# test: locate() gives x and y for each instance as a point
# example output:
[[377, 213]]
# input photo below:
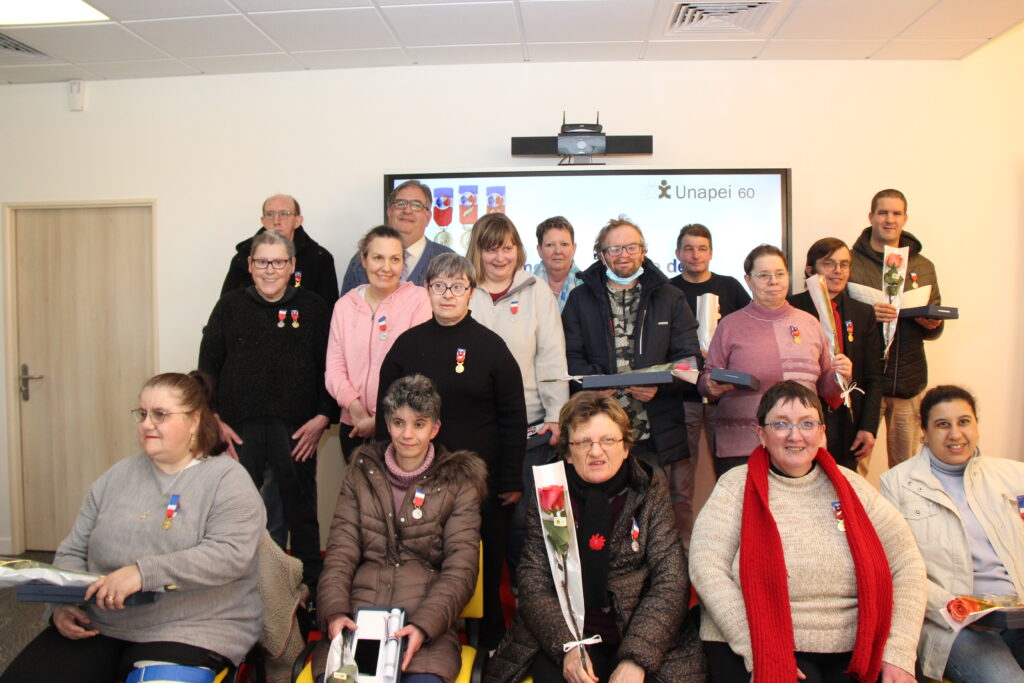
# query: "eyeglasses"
[[156, 416], [833, 266], [617, 249], [768, 277], [783, 427], [456, 288], [584, 445], [276, 264], [280, 214], [403, 204]]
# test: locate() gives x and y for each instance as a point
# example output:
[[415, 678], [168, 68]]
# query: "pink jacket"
[[355, 349]]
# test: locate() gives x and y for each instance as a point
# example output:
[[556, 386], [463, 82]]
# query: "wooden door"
[[84, 304]]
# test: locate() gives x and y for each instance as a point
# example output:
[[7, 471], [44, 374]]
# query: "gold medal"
[[460, 368], [166, 524], [295, 325], [460, 358]]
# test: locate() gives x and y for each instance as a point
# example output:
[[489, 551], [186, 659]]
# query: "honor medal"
[[281, 315], [298, 278], [172, 509], [849, 330], [837, 510], [382, 325], [295, 318], [417, 503], [795, 332], [460, 360], [634, 533]]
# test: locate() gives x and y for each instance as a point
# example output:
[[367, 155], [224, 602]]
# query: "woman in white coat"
[[522, 310], [967, 514]]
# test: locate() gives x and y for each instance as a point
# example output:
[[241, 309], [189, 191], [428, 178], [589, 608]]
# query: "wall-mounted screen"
[[742, 208]]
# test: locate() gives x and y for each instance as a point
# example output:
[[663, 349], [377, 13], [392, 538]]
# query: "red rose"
[[552, 498], [596, 542], [894, 260], [959, 608]]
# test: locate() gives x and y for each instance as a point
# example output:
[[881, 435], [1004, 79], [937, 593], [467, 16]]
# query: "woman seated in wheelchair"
[[406, 533], [174, 520]]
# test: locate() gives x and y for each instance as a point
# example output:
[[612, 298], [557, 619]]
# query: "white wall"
[[210, 148]]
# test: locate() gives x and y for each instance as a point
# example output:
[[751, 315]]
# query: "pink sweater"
[[355, 349], [761, 341]]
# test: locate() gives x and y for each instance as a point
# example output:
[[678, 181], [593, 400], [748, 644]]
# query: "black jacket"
[[665, 331], [314, 268], [649, 588], [905, 375], [865, 352]]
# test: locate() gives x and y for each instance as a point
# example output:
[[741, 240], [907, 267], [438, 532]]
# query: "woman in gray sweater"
[[172, 520]]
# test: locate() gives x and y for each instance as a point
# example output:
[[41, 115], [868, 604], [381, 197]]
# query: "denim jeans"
[[987, 657]]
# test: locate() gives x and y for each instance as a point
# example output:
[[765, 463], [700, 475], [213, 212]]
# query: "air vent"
[[14, 51], [729, 18]]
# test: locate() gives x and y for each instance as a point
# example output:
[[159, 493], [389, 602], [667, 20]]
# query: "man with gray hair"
[[625, 316], [409, 207], [314, 265]]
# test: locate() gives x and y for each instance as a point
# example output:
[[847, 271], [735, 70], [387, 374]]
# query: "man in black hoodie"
[[905, 374], [314, 265], [625, 316]]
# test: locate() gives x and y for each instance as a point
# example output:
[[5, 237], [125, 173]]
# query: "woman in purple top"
[[772, 341]]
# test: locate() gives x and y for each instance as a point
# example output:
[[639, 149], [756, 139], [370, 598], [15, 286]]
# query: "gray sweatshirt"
[[204, 565]]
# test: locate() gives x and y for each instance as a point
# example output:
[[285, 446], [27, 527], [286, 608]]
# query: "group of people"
[[438, 368]]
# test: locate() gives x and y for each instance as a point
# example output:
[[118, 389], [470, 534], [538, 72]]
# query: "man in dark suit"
[[409, 207], [850, 431]]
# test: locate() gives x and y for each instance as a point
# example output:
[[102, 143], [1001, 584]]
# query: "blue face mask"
[[623, 280]]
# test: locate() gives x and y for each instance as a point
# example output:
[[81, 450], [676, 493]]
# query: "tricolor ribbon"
[[418, 498], [634, 532], [382, 323], [172, 506], [460, 355]]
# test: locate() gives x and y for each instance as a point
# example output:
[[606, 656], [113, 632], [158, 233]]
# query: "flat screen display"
[[742, 208]]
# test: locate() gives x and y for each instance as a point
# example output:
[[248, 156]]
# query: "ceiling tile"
[[348, 59], [107, 42], [718, 49], [385, 3], [584, 52], [565, 21], [326, 29], [467, 54], [462, 24], [204, 37], [928, 49], [820, 49], [967, 19], [156, 68], [234, 64], [851, 19], [121, 10], [292, 5], [41, 73]]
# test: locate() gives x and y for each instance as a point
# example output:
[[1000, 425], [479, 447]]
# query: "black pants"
[[604, 658], [349, 444], [98, 659], [820, 667], [840, 433], [494, 521], [267, 442], [723, 465]]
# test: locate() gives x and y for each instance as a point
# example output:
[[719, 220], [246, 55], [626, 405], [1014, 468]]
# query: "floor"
[[19, 621]]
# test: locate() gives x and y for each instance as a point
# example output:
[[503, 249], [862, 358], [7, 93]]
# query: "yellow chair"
[[472, 669]]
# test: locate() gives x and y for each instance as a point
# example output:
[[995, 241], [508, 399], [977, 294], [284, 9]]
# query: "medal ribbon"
[[172, 506], [298, 278], [460, 355], [1020, 506], [418, 498], [634, 532], [295, 316], [282, 314], [382, 323]]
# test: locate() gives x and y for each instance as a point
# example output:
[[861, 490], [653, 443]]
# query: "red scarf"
[[766, 592]]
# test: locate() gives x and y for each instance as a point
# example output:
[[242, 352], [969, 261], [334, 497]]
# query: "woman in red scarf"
[[803, 570]]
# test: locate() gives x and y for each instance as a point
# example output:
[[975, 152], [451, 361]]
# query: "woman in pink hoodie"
[[366, 322]]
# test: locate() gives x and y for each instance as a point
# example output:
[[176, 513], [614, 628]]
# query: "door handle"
[[24, 380]]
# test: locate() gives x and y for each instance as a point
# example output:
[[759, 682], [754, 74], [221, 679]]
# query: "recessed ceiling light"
[[19, 12]]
